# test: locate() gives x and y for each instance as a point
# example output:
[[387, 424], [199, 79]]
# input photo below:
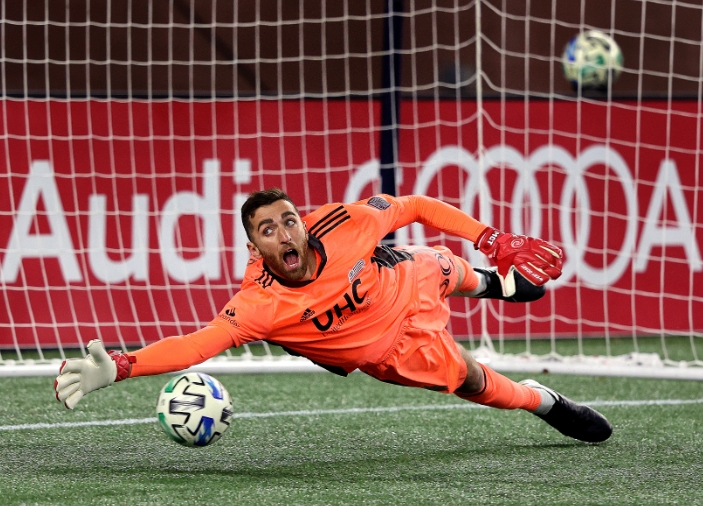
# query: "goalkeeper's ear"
[[253, 250]]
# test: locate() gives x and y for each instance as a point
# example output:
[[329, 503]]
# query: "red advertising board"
[[118, 219]]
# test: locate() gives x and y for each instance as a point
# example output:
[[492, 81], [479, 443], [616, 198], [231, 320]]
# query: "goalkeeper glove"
[[80, 376], [537, 260]]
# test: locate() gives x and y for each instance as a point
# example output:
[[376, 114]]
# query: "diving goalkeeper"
[[322, 286]]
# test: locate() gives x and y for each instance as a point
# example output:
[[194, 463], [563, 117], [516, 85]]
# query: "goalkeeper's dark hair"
[[259, 199]]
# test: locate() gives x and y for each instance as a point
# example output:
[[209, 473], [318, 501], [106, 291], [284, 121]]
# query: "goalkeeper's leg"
[[485, 386], [484, 283]]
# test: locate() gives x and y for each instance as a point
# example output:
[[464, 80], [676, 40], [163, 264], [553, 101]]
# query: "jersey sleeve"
[[180, 352], [247, 317], [392, 213], [236, 324]]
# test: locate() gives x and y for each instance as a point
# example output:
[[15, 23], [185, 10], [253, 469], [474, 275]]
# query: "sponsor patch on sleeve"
[[379, 203]]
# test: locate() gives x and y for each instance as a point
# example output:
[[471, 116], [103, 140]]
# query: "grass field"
[[320, 439]]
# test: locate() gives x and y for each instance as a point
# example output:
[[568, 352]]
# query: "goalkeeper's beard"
[[275, 262]]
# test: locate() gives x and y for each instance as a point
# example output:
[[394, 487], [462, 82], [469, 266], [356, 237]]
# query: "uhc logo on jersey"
[[342, 310], [379, 203]]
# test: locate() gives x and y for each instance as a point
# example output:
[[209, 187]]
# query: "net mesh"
[[132, 132]]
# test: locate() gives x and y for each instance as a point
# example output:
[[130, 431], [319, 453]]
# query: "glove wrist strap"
[[486, 240], [123, 363]]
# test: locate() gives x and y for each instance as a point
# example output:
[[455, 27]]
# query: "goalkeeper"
[[321, 286]]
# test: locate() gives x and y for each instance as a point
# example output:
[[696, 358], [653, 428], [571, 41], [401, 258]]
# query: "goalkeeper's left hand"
[[80, 376], [538, 261]]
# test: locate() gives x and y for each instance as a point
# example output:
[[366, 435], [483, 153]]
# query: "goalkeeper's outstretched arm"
[[99, 369], [537, 260]]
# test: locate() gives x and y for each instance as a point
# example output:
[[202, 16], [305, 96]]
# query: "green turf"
[[410, 456]]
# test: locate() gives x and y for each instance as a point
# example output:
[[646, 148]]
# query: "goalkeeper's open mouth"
[[291, 259]]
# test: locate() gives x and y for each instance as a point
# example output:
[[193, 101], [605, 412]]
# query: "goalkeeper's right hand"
[[80, 376], [537, 260]]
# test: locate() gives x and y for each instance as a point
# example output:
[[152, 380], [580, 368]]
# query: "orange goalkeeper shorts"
[[425, 355]]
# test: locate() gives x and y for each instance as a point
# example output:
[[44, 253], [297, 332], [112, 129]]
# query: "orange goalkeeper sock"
[[503, 393]]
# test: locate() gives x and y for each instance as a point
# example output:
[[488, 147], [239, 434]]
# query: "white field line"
[[348, 411]]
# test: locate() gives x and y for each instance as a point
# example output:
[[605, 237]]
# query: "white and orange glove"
[[80, 376], [537, 260]]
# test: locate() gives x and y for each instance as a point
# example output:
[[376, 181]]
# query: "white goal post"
[[131, 133]]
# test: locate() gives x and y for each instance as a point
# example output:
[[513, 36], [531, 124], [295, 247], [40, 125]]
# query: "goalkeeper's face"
[[280, 238]]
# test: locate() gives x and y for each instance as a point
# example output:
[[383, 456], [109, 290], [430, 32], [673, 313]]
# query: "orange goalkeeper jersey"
[[348, 315]]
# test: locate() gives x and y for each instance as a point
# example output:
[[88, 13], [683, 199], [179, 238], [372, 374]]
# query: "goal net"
[[131, 132]]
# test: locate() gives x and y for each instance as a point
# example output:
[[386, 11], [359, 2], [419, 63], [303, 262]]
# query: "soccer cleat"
[[524, 290], [573, 420]]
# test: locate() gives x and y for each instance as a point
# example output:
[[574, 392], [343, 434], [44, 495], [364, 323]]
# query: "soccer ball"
[[194, 409], [591, 60]]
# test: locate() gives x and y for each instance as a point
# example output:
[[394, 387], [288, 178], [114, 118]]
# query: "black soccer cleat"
[[524, 290], [574, 420]]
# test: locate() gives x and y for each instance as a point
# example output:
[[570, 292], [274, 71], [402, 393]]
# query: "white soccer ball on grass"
[[194, 409]]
